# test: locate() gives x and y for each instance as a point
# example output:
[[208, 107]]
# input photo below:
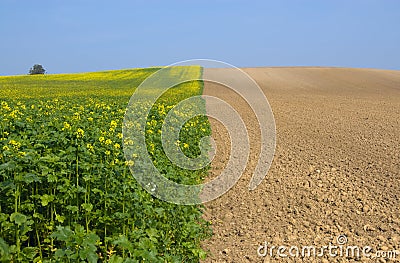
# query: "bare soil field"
[[336, 169]]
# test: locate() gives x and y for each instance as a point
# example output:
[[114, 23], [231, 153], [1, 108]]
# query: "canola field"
[[66, 191]]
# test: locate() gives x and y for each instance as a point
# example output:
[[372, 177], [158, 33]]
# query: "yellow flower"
[[5, 148], [15, 144], [108, 142], [117, 146], [107, 152], [152, 147], [67, 126], [90, 147], [119, 136], [113, 124], [185, 145], [128, 141], [90, 119], [129, 163], [79, 133], [76, 116], [101, 139], [13, 114], [5, 106]]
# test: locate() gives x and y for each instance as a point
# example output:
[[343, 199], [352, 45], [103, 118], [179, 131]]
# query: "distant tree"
[[37, 69]]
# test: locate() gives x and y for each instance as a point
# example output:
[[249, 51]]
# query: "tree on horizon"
[[36, 70]]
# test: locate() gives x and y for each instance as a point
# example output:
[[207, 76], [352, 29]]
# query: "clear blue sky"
[[89, 35]]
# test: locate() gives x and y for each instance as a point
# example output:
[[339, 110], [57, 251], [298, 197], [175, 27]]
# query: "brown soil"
[[336, 168]]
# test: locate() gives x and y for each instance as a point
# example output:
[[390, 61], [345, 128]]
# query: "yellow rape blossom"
[[113, 124], [128, 141], [90, 147], [5, 106], [129, 163], [15, 144], [79, 133], [67, 126]]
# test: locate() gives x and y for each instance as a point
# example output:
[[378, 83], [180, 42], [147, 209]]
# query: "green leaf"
[[52, 177], [50, 158], [159, 211], [87, 207], [38, 146], [92, 257], [116, 259], [7, 184], [18, 218], [91, 239], [60, 253], [4, 250], [152, 233], [73, 208], [60, 218], [62, 233], [30, 178], [8, 166], [46, 199], [30, 252], [124, 243]]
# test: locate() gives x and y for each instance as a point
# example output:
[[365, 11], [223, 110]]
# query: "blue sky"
[[89, 35]]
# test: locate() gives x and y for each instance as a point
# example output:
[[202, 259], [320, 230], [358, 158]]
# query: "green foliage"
[[66, 191], [36, 70], [77, 244]]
